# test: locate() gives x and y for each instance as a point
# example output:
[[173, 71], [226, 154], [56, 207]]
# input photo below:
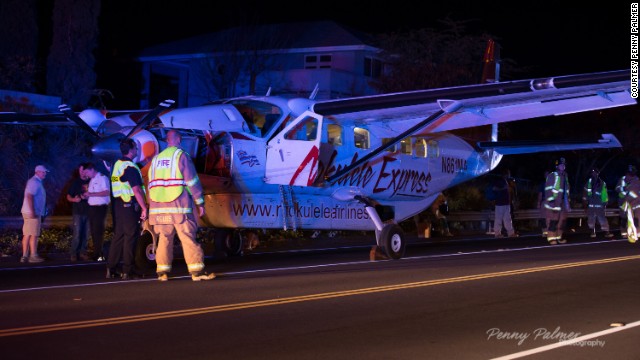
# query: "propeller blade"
[[66, 110], [150, 116]]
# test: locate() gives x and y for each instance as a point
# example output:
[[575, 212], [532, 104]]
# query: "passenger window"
[[433, 149], [392, 148], [334, 134], [420, 147], [405, 146], [361, 138]]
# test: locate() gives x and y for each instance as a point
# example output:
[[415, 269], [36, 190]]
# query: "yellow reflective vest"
[[166, 181], [119, 188]]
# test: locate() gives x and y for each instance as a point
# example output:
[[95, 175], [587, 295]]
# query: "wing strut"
[[395, 140]]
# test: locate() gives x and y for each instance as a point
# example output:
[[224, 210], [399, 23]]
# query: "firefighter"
[[595, 198], [556, 202], [174, 188], [628, 189]]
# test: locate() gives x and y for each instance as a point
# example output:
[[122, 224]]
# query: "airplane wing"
[[16, 118], [527, 147], [483, 104], [399, 115]]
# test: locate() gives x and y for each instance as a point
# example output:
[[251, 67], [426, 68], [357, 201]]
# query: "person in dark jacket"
[[503, 201], [595, 198]]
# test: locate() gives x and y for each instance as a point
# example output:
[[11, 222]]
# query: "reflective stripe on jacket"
[[596, 197], [119, 188], [556, 191], [166, 181]]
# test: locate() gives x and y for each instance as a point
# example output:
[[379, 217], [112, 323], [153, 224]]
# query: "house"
[[289, 59]]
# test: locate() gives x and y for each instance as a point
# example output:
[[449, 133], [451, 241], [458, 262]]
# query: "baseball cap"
[[41, 168]]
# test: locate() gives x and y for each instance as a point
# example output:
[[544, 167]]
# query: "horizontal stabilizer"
[[536, 146]]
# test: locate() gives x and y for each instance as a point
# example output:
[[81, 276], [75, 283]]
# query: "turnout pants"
[[557, 223], [186, 231], [597, 213]]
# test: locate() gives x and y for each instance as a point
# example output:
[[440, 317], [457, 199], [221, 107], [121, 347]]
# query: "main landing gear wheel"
[[393, 241], [229, 241], [145, 258]]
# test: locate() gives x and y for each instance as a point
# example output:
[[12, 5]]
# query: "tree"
[[238, 57], [70, 65], [429, 58], [19, 46], [61, 149]]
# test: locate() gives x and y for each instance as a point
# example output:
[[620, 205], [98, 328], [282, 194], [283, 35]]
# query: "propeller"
[[107, 148], [150, 116], [65, 109]]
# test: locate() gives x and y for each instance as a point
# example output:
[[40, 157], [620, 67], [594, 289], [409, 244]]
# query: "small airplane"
[[362, 163]]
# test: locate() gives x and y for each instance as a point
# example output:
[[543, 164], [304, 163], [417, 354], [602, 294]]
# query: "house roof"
[[296, 35]]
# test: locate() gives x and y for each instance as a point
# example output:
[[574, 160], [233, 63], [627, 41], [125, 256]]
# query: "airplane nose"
[[108, 148]]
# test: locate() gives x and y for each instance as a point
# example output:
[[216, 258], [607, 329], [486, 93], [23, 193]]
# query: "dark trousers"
[[125, 236], [97, 218], [81, 234]]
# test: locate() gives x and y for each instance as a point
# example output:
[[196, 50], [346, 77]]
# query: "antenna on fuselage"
[[314, 92], [268, 91]]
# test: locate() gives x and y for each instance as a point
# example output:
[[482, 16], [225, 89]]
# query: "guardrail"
[[15, 222], [525, 214]]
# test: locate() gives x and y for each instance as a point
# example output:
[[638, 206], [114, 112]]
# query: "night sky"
[[552, 37]]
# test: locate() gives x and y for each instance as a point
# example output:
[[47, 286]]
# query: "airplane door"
[[292, 155]]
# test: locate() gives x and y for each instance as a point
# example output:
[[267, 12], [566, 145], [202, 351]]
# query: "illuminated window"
[[361, 138], [420, 147], [405, 146], [334, 134], [393, 148]]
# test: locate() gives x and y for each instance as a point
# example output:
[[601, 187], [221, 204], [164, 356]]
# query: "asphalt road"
[[459, 299]]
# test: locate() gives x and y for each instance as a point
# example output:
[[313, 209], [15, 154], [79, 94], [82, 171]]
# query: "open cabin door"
[[292, 154]]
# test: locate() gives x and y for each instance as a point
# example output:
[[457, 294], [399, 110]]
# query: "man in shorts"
[[33, 209]]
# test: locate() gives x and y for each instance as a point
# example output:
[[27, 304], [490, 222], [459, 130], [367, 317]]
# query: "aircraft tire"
[[234, 243], [229, 242], [145, 258], [393, 241]]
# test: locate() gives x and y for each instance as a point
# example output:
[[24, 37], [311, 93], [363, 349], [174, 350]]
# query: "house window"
[[372, 67], [317, 61]]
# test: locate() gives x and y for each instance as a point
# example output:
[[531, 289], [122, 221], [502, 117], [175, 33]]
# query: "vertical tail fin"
[[491, 73], [491, 63]]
